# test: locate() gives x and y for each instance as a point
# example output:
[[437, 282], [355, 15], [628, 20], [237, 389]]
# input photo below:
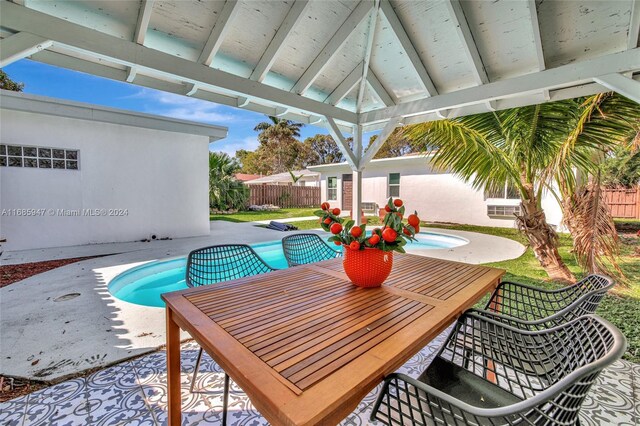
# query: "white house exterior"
[[307, 178], [74, 173], [438, 196]]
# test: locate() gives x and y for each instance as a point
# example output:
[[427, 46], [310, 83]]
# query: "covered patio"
[[353, 67]]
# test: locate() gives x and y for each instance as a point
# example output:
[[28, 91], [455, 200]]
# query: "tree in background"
[[279, 147], [225, 191], [7, 84], [396, 145], [322, 149], [253, 162], [621, 168]]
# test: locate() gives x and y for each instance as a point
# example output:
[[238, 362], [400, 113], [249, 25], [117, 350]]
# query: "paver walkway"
[[135, 393]]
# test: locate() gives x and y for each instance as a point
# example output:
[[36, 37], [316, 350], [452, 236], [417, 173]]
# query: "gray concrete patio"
[[135, 393], [46, 338]]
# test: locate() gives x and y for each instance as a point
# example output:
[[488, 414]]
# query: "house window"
[[507, 192], [38, 157], [394, 184], [332, 188], [503, 211]]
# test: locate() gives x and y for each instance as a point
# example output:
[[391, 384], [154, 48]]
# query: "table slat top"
[[319, 336]]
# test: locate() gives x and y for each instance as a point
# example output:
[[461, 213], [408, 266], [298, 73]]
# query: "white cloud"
[[230, 146], [185, 108]]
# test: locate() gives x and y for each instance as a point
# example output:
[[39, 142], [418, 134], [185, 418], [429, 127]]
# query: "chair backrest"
[[300, 249], [209, 265], [556, 307], [551, 369]]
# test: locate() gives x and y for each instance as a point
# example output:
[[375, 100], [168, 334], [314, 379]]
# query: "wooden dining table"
[[305, 344]]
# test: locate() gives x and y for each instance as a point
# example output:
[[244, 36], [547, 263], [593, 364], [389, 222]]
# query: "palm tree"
[[607, 122], [278, 137], [225, 191], [512, 147]]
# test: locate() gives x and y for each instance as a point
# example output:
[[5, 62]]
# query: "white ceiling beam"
[[408, 47], [295, 15], [65, 61], [444, 113], [346, 86], [555, 78], [379, 90], [219, 30], [572, 92], [537, 40], [333, 47], [621, 84], [380, 140], [123, 52], [144, 16], [191, 89], [21, 45], [373, 20], [243, 102], [342, 143], [281, 112], [634, 25], [468, 43]]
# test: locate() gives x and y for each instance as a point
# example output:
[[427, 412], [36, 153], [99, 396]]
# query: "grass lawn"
[[621, 306], [251, 216]]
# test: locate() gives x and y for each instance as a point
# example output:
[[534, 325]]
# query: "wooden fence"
[[286, 196], [623, 202]]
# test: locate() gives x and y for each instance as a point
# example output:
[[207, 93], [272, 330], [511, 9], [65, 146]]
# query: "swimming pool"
[[144, 284]]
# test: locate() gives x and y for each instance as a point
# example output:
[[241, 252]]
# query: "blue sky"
[[47, 80]]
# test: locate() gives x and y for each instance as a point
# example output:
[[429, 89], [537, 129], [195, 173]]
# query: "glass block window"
[[394, 184], [504, 211], [38, 157], [332, 188]]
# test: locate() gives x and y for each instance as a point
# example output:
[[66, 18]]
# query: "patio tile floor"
[[135, 393]]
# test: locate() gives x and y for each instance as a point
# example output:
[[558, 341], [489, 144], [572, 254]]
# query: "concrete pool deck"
[[65, 321]]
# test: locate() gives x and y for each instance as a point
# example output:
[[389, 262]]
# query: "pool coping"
[[46, 340]]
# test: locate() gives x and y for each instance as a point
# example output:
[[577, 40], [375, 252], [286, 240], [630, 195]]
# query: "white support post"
[[19, 46], [621, 84], [342, 144], [356, 204]]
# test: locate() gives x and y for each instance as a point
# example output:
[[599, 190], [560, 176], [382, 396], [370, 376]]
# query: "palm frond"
[[468, 146], [595, 239]]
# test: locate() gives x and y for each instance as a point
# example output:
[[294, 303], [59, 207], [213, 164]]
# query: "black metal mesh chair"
[[300, 249], [533, 308], [215, 264], [210, 265], [489, 373]]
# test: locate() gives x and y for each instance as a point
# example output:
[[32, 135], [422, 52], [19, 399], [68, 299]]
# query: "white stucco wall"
[[437, 196], [159, 177]]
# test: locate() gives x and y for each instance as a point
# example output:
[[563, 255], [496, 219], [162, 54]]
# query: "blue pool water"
[[144, 284]]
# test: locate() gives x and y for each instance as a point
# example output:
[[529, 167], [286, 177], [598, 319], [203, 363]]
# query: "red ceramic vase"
[[367, 268]]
